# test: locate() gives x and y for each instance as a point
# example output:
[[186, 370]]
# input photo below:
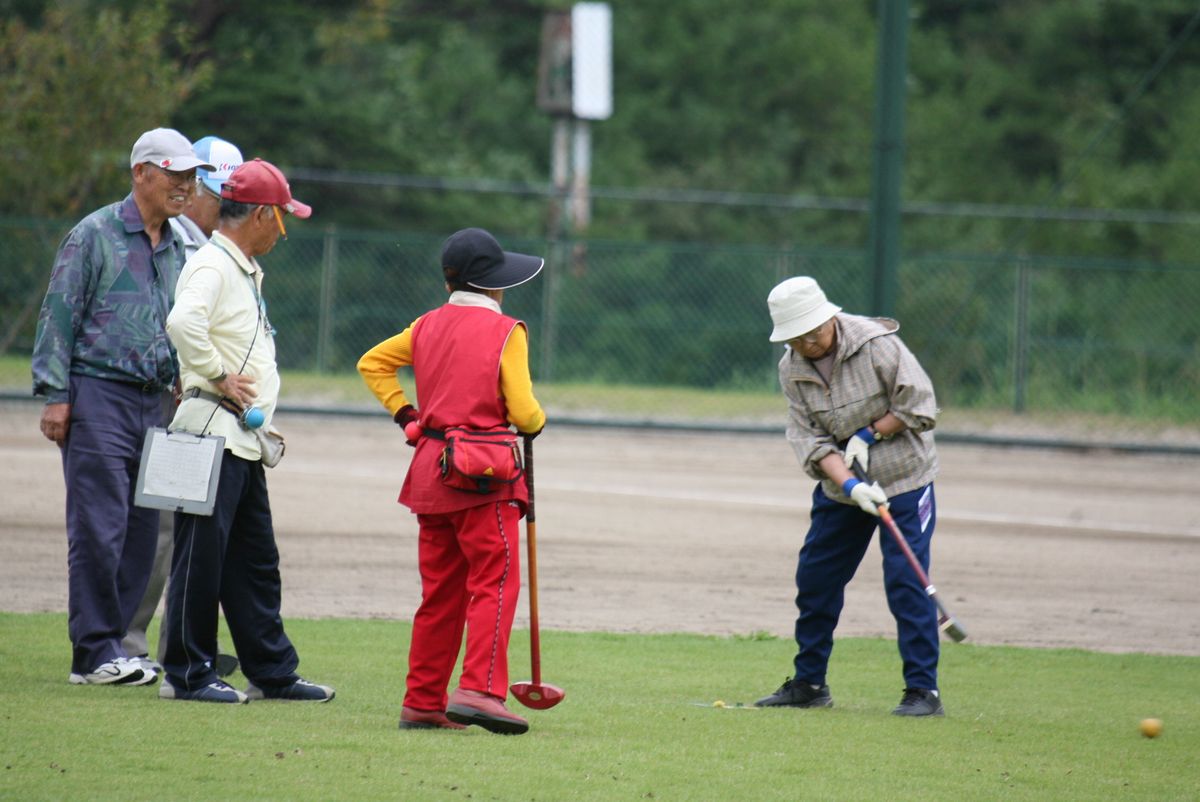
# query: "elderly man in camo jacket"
[[102, 360]]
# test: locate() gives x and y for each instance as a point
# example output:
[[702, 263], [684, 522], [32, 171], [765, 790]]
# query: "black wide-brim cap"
[[482, 263]]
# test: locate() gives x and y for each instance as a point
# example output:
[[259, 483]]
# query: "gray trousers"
[[135, 642]]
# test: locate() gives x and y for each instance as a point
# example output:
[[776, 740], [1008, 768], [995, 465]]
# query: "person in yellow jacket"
[[471, 367]]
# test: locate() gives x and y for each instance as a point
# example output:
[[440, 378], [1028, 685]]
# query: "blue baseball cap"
[[223, 156]]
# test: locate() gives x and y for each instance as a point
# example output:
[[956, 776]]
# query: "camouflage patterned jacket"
[[105, 310]]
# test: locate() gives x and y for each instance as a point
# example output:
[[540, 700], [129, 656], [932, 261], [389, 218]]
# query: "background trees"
[[1022, 102]]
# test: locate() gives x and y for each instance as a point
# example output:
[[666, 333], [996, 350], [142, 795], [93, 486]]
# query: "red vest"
[[456, 364]]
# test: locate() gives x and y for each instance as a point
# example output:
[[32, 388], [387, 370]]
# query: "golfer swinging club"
[[857, 394], [471, 367]]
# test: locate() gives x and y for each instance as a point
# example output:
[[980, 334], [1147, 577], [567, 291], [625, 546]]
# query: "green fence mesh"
[[677, 333]]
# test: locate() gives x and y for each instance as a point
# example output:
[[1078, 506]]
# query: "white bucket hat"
[[797, 307]]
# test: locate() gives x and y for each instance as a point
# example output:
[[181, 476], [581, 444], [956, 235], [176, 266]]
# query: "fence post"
[[328, 289], [556, 261], [1021, 334]]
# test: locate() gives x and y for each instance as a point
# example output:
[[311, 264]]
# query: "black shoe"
[[225, 664], [920, 702], [301, 690], [797, 694]]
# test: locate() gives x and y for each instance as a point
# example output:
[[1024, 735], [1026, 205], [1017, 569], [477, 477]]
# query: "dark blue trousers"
[[110, 542], [230, 560], [836, 542]]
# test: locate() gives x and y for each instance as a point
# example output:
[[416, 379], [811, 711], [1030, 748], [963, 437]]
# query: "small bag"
[[272, 446], [480, 461]]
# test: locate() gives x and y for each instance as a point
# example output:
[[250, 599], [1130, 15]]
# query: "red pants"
[[470, 576]]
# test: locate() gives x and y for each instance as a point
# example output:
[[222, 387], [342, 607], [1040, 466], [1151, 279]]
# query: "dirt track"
[[658, 532]]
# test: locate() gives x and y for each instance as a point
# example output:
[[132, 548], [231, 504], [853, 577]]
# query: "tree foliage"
[[79, 82], [1022, 102]]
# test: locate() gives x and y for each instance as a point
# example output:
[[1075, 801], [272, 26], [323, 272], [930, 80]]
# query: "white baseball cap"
[[798, 306], [224, 158], [166, 148]]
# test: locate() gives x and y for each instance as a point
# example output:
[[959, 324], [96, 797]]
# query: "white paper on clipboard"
[[179, 471]]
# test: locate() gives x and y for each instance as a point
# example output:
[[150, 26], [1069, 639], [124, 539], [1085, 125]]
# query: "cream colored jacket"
[[219, 325]]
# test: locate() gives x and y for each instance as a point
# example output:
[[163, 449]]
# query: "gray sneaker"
[[797, 694], [213, 692], [920, 702], [118, 671], [299, 691]]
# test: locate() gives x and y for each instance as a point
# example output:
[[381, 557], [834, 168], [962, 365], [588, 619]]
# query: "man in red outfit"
[[471, 367]]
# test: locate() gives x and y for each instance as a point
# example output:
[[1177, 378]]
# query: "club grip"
[[529, 513]]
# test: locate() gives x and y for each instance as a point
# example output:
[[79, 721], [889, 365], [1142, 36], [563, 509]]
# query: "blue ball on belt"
[[252, 418]]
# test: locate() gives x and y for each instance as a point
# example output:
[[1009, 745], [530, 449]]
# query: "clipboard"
[[179, 471]]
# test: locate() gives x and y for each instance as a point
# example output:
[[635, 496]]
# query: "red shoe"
[[484, 710], [411, 719]]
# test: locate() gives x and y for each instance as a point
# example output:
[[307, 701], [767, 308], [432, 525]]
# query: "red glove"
[[404, 416]]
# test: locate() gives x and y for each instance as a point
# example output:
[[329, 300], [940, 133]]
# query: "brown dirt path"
[[654, 532]]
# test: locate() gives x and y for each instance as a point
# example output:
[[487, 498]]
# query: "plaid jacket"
[[873, 372]]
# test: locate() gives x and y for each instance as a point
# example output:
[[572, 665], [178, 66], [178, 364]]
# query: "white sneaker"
[[118, 671], [146, 664]]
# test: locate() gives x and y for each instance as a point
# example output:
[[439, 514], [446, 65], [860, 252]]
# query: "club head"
[[537, 695], [954, 630]]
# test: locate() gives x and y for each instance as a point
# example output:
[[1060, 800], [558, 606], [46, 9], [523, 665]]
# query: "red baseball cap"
[[258, 181]]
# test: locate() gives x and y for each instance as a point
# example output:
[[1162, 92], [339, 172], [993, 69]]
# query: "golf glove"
[[868, 496], [858, 448], [404, 416]]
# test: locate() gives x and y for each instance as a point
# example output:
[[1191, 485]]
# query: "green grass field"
[[1021, 725]]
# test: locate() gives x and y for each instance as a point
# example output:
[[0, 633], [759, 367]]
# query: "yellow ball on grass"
[[1151, 727]]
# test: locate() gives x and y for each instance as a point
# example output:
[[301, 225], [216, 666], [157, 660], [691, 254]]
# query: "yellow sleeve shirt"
[[378, 369]]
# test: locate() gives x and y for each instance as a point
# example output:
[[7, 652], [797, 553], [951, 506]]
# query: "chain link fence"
[[1021, 349]]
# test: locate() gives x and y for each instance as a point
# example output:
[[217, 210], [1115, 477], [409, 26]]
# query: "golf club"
[[946, 622], [534, 693]]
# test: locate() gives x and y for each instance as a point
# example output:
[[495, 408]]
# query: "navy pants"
[[228, 559], [110, 542], [836, 542]]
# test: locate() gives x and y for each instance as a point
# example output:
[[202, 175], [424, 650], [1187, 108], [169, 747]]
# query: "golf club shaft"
[[535, 647], [886, 516], [946, 622]]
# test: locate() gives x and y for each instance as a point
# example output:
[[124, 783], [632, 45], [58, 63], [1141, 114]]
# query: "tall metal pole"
[[325, 314], [888, 157], [560, 174]]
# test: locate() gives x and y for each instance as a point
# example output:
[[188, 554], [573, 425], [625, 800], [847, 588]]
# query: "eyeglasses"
[[176, 177], [815, 335], [205, 188]]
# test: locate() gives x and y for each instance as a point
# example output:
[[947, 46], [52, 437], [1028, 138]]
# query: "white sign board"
[[591, 61]]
